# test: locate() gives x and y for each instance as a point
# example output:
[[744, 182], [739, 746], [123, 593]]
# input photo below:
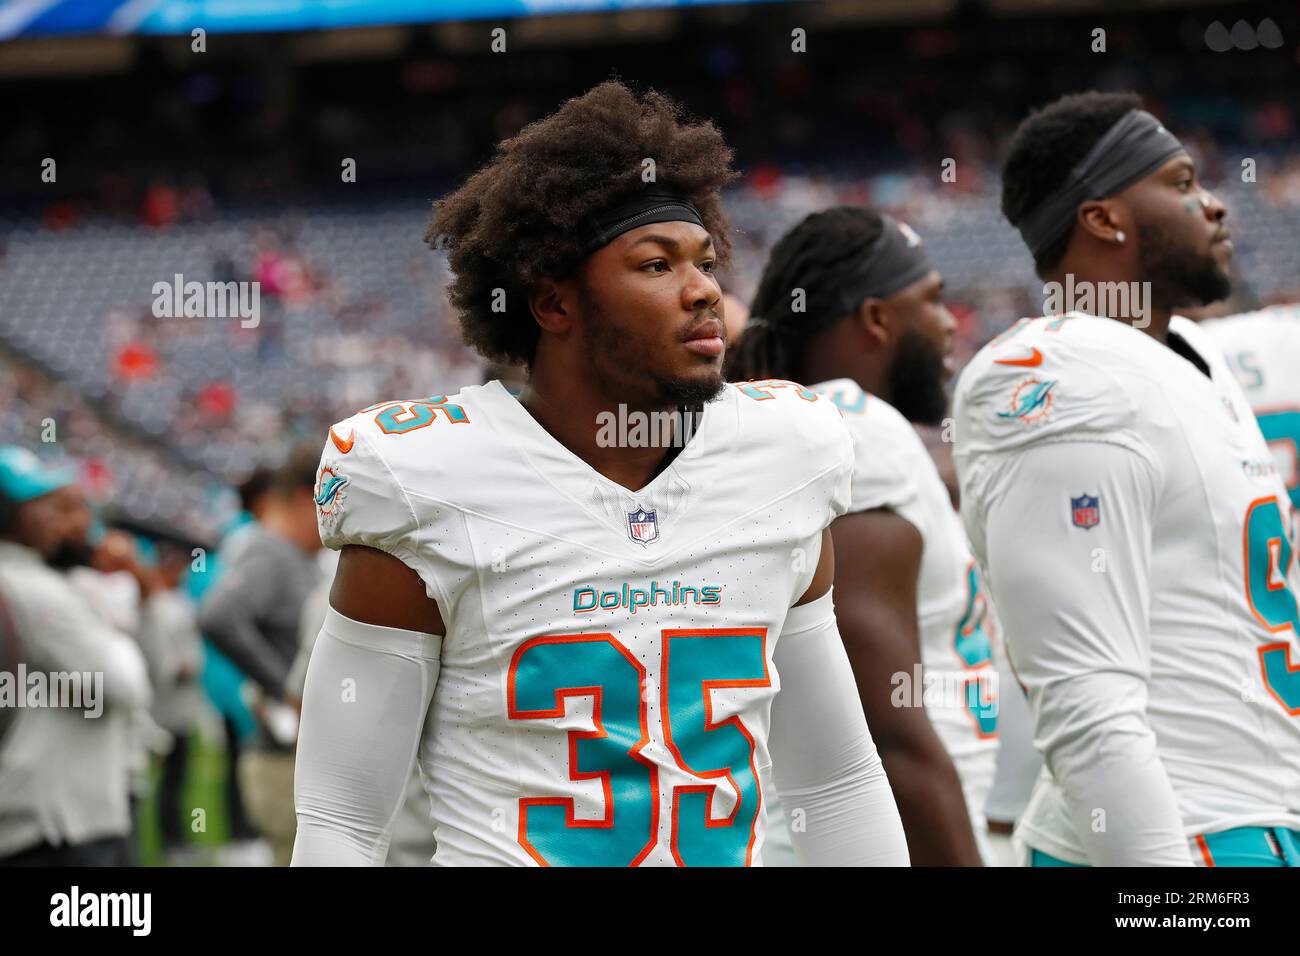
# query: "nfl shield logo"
[[643, 526], [1086, 511]]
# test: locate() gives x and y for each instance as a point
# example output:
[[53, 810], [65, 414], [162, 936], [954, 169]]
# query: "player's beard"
[[1179, 277], [916, 380], [618, 362]]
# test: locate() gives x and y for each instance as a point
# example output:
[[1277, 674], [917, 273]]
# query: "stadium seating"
[[363, 314]]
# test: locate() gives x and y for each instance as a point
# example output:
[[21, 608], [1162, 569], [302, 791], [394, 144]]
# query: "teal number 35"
[[546, 671]]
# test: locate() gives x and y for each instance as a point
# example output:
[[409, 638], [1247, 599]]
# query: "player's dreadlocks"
[[818, 256], [1047, 145], [518, 219]]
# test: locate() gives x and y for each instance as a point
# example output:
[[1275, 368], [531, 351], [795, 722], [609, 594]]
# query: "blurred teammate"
[[1263, 349], [582, 629], [1130, 518], [848, 298]]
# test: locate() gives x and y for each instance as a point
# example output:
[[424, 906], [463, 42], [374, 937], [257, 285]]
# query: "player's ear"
[[553, 304], [874, 319], [1104, 219]]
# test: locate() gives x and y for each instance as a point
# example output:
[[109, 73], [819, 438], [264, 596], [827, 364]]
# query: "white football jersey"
[[893, 470], [1263, 349], [1212, 631], [606, 677]]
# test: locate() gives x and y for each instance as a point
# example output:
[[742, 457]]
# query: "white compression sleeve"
[[824, 761], [363, 710]]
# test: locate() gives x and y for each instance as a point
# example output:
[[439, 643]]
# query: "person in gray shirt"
[[252, 615]]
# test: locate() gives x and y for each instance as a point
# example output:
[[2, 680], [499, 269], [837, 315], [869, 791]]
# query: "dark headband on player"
[[895, 260], [661, 205], [1134, 147]]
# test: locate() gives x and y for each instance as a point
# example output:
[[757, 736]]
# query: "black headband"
[[896, 260], [661, 205], [1134, 147]]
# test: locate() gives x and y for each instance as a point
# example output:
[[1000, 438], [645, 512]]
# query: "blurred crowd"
[[167, 415], [118, 468]]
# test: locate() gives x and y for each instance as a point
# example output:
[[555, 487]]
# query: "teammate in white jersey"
[[599, 613], [1263, 349], [1128, 514], [868, 322]]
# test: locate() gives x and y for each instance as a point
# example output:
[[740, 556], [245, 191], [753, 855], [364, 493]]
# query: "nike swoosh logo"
[[340, 444], [1033, 361]]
